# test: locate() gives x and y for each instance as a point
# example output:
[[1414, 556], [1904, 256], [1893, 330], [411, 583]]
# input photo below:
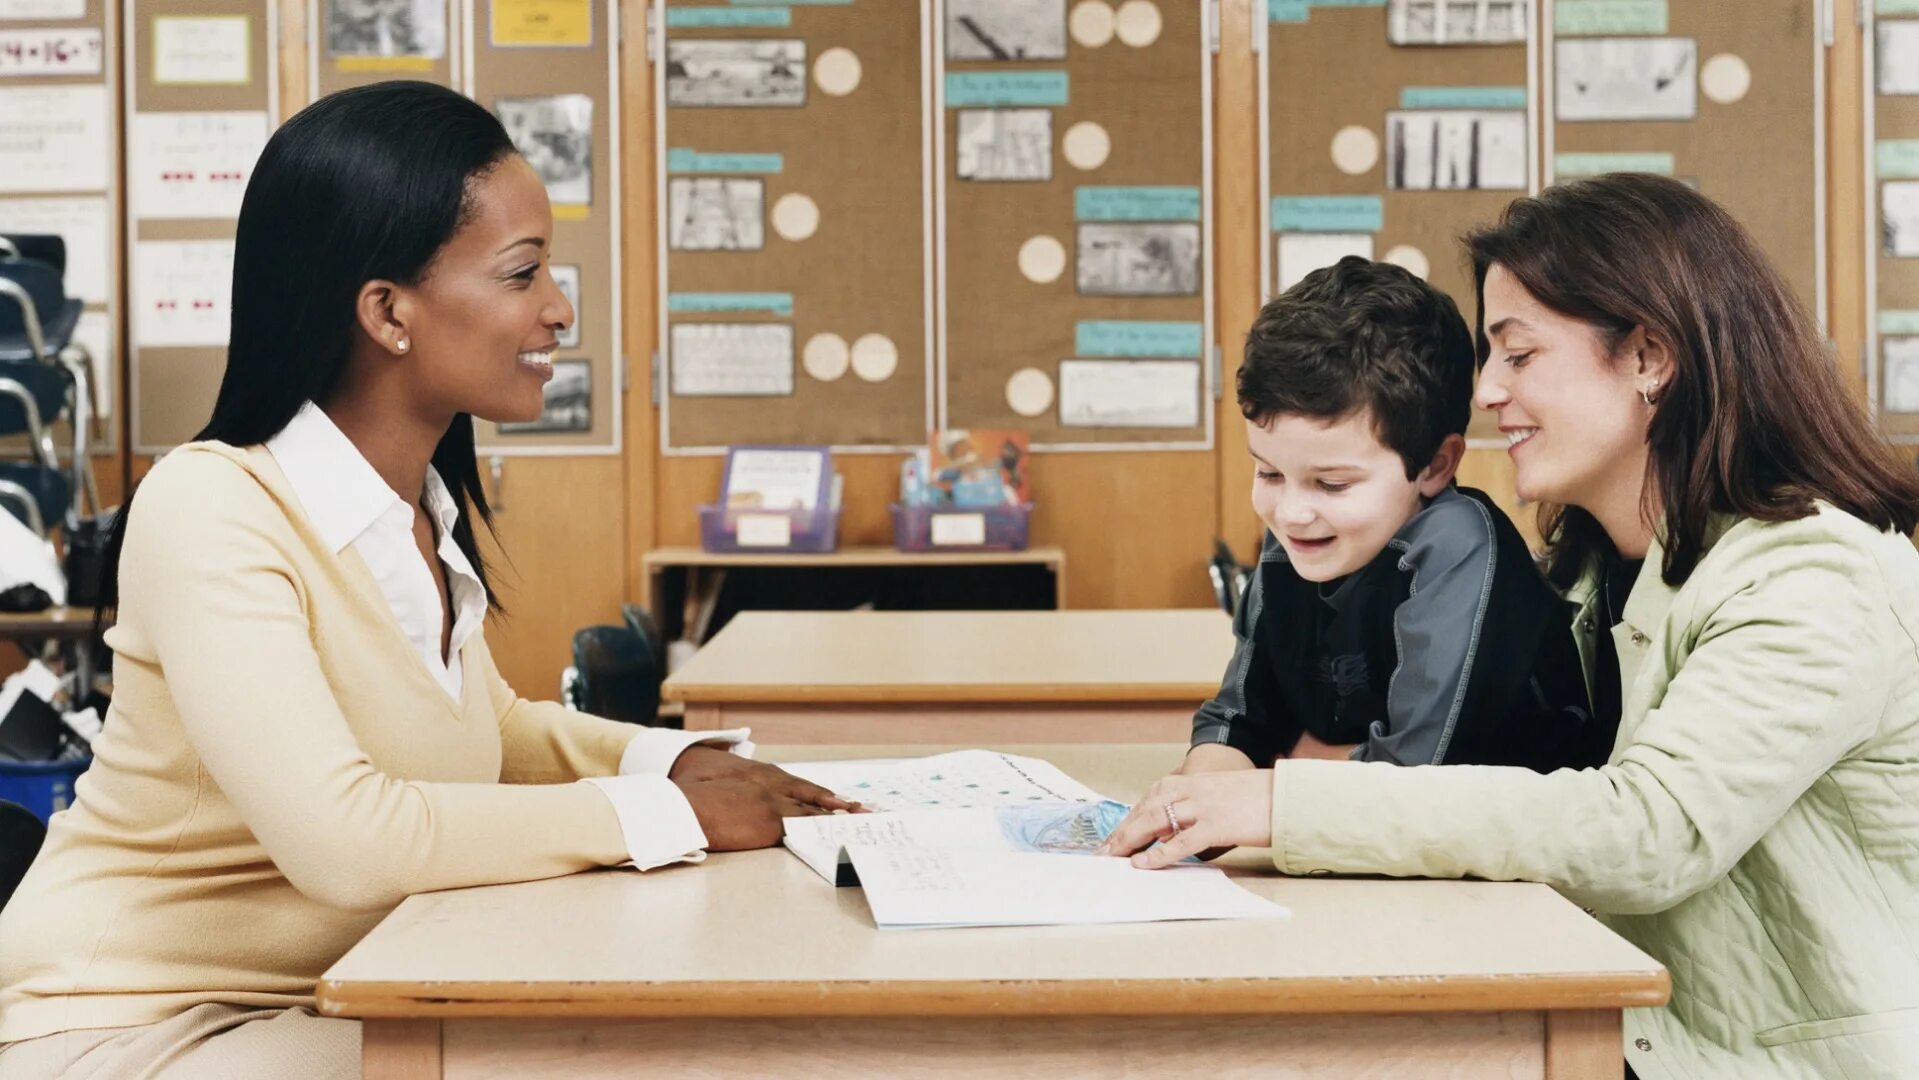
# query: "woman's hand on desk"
[[738, 815], [1212, 810], [708, 763]]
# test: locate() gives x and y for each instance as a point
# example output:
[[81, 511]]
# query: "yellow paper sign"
[[545, 23]]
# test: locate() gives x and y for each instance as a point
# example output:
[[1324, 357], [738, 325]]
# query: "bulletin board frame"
[[1131, 439], [576, 237], [1819, 36], [104, 438], [1895, 118], [799, 317], [326, 75], [1445, 256], [192, 371]]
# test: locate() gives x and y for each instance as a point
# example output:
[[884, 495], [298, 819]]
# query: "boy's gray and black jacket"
[[1449, 647]]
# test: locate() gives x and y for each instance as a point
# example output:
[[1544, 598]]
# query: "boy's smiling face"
[[1333, 493]]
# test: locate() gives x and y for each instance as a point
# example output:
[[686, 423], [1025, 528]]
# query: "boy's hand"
[[1213, 757], [1192, 814]]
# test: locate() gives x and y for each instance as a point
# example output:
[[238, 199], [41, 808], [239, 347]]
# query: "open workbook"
[[977, 838]]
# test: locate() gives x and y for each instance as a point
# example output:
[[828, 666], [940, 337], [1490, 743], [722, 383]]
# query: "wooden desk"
[[681, 585], [957, 677], [752, 966]]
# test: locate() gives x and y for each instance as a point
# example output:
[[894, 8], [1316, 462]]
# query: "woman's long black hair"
[[366, 183]]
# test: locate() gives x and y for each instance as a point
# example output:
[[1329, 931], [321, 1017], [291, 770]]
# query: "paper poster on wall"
[[1138, 259], [1005, 144], [709, 213], [212, 50], [54, 138], [1006, 29], [1299, 254], [1899, 219], [391, 29], [1573, 17], [1899, 388], [735, 72], [43, 10], [567, 277], [1129, 393], [1456, 150], [34, 53], [732, 359], [541, 23], [182, 293], [1897, 62], [193, 165], [568, 402], [1456, 22], [555, 136], [1626, 78], [84, 224], [94, 333]]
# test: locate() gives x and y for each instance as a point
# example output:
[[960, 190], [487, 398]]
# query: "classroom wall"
[[1136, 526]]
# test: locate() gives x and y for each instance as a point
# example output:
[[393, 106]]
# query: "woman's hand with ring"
[[1190, 814]]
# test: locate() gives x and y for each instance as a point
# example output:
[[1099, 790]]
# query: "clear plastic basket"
[[954, 528], [739, 529]]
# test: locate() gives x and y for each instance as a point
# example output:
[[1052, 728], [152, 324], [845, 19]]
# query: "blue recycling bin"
[[44, 787]]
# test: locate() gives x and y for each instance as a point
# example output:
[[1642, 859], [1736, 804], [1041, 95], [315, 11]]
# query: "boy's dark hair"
[[1363, 335]]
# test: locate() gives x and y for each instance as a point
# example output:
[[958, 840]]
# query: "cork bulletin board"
[[60, 160], [201, 88], [794, 190], [1891, 92], [549, 69], [1391, 129], [350, 45], [1075, 220], [1728, 97]]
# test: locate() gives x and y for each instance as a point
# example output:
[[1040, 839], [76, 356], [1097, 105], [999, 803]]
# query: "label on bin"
[[765, 530], [959, 530]]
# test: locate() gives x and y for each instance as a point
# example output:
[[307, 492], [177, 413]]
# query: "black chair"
[[49, 248], [1228, 576], [43, 373], [35, 494], [615, 676], [21, 835]]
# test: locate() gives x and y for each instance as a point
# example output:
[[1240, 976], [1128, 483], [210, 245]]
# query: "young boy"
[[1392, 614]]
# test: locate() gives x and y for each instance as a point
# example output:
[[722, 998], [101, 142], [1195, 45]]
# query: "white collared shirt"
[[352, 507]]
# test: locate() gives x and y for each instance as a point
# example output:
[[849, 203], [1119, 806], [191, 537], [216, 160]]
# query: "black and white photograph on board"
[[356, 28], [555, 135], [1899, 219], [709, 213], [1626, 78], [1899, 387], [1138, 259], [1005, 144], [1456, 22], [1006, 29], [569, 402], [567, 277], [1456, 150], [735, 72], [1896, 63]]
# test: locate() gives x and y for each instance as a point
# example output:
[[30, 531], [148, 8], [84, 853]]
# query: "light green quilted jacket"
[[1756, 829]]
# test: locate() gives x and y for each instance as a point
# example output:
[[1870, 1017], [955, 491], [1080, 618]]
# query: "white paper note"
[[94, 332], [214, 50], [182, 293], [78, 51], [1301, 253], [1129, 393], [732, 360], [1626, 78], [959, 779], [84, 223], [53, 138], [193, 164], [47, 10]]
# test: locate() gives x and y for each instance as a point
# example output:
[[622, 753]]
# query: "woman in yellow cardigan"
[[307, 725], [1735, 537]]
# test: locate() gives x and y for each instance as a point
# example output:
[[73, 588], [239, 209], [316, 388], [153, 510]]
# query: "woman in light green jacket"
[[1757, 826]]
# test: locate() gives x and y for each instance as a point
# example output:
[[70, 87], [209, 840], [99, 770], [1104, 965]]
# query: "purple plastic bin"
[[724, 528], [953, 528]]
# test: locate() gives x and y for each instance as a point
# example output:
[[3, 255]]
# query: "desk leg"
[[1584, 1045], [400, 1050]]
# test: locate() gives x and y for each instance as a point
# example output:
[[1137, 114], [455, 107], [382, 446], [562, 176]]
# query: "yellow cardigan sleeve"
[[207, 578], [1779, 669]]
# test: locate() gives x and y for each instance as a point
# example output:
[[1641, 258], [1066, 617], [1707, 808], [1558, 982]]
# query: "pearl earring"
[[403, 344], [1645, 394]]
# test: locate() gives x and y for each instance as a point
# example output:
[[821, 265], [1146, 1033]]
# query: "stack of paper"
[[975, 838]]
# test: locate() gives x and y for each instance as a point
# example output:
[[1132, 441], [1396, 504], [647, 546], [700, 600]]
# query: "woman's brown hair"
[[1755, 420]]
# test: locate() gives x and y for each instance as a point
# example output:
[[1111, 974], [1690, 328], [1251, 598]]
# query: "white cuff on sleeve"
[[654, 750], [656, 821]]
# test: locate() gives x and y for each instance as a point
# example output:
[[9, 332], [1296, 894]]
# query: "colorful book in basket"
[[978, 467]]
